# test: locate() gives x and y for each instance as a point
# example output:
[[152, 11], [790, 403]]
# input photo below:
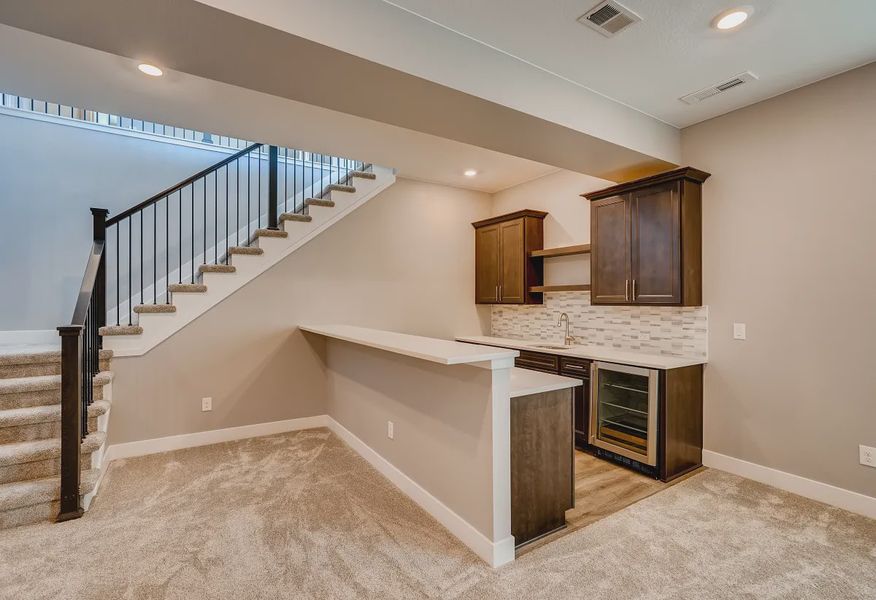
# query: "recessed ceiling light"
[[470, 173], [733, 18], [150, 70]]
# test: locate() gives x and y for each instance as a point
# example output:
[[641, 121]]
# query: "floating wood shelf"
[[564, 251], [561, 288]]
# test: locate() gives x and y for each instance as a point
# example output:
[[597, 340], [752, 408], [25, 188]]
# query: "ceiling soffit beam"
[[194, 38]]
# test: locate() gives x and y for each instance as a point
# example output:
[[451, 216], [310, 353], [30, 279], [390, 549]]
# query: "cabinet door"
[[487, 264], [512, 285], [610, 255], [579, 368], [656, 247]]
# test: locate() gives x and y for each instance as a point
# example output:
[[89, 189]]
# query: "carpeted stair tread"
[[185, 288], [363, 174], [217, 269], [36, 361], [296, 217], [37, 491], [246, 250], [120, 330], [319, 202], [19, 385], [142, 309], [26, 357], [339, 187], [271, 233], [16, 417], [25, 452]]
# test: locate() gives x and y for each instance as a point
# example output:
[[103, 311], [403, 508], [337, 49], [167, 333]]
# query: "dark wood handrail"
[[88, 282], [121, 216]]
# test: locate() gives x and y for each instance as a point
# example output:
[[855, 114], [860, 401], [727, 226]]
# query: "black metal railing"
[[119, 122], [80, 362], [166, 239]]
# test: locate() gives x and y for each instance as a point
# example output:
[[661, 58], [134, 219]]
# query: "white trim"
[[214, 436], [30, 336], [808, 488], [494, 553]]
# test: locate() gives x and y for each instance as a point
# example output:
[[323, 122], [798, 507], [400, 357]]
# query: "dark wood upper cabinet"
[[504, 271], [655, 214], [610, 250], [487, 264], [646, 240]]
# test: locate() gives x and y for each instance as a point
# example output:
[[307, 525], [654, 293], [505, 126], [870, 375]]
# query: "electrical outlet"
[[738, 331], [390, 430], [868, 455], [206, 404]]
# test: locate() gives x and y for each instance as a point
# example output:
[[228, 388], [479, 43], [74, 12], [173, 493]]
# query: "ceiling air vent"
[[609, 18], [714, 90]]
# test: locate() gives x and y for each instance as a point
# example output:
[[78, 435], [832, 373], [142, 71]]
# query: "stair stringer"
[[157, 327]]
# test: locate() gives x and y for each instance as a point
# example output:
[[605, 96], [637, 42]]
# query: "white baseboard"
[[205, 438], [494, 553], [31, 336], [808, 488]]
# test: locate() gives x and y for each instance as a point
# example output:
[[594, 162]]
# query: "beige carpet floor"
[[301, 516]]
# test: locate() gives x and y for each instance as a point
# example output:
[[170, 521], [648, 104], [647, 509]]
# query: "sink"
[[552, 346]]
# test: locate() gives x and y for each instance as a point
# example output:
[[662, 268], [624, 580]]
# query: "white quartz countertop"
[[525, 382], [445, 352], [624, 357]]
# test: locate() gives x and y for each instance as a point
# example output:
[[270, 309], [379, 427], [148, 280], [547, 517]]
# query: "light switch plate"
[[390, 429], [206, 404], [738, 331], [868, 455]]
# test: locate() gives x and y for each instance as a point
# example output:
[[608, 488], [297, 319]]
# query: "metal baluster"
[[154, 253], [193, 232], [142, 301], [237, 214], [167, 249], [216, 217], [204, 205], [118, 276], [130, 294], [259, 177], [179, 252]]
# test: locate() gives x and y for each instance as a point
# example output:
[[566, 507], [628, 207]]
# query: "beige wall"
[[789, 223], [567, 223], [403, 261], [442, 419]]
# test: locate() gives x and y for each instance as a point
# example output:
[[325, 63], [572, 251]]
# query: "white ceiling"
[[673, 51]]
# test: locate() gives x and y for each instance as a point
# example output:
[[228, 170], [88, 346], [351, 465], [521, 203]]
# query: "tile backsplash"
[[675, 331]]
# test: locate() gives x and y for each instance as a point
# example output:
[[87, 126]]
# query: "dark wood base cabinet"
[[542, 469], [679, 414]]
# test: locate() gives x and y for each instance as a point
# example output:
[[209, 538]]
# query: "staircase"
[[153, 269], [217, 237], [30, 433]]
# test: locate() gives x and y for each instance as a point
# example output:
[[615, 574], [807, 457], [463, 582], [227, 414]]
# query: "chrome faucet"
[[569, 339]]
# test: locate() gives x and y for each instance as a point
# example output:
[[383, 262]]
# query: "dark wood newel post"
[[71, 418], [273, 160], [99, 295]]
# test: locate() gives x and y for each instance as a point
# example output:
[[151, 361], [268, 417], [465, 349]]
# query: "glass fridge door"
[[624, 411]]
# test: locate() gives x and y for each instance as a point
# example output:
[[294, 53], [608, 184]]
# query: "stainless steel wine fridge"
[[623, 411]]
